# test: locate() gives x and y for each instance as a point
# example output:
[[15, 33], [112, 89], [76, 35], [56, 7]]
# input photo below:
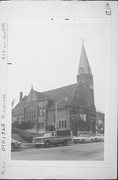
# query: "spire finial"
[[82, 41]]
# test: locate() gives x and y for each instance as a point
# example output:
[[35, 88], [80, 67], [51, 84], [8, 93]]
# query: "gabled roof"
[[60, 93], [64, 95], [84, 67]]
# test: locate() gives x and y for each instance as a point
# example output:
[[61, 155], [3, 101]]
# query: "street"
[[87, 151]]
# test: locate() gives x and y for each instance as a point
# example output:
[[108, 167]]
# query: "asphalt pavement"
[[87, 151]]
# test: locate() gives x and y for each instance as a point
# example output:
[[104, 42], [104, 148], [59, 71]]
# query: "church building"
[[70, 107]]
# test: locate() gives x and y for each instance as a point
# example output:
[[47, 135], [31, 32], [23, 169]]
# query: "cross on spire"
[[82, 41]]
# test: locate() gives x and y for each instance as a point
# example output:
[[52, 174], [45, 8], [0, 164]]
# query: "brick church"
[[70, 107]]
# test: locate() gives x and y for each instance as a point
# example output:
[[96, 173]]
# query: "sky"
[[45, 53]]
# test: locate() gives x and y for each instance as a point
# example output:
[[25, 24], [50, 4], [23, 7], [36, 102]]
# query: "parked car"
[[83, 138], [99, 137], [51, 138], [15, 145]]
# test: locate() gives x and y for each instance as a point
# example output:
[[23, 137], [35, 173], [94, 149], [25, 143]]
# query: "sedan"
[[15, 145], [99, 137], [83, 138]]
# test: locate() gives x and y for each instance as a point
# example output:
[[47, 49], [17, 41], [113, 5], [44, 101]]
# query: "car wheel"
[[37, 145], [82, 141], [75, 142]]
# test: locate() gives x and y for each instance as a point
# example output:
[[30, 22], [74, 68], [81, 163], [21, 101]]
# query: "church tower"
[[84, 94], [85, 78]]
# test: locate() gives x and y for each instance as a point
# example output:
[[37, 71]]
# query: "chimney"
[[21, 96]]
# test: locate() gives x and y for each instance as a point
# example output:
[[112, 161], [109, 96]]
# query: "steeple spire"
[[84, 67]]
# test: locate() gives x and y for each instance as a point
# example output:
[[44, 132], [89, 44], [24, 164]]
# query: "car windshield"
[[47, 134]]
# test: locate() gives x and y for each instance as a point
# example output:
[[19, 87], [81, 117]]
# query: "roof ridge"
[[60, 87], [38, 92]]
